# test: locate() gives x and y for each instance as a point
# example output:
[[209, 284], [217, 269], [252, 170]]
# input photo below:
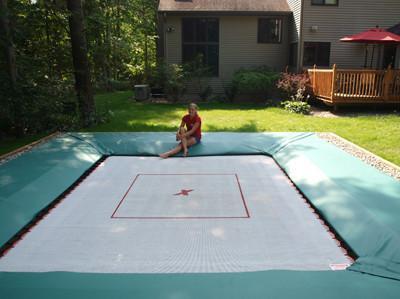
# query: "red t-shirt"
[[189, 122]]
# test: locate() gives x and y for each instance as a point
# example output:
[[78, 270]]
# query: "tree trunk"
[[48, 45], [83, 85], [107, 41], [117, 55], [6, 41], [146, 60]]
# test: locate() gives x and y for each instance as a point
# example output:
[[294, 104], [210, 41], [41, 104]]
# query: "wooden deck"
[[351, 86]]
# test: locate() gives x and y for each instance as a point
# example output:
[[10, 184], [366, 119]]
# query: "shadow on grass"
[[142, 127], [251, 126], [148, 112], [153, 117], [233, 106]]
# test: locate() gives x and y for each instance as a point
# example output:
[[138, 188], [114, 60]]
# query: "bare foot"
[[164, 156], [185, 153]]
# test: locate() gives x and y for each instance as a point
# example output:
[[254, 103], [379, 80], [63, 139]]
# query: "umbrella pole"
[[372, 56], [366, 56]]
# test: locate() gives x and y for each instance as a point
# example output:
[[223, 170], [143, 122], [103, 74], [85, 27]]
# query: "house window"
[[316, 53], [325, 2], [200, 36], [269, 30]]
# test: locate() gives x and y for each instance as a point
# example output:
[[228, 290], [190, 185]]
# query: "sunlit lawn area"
[[379, 134]]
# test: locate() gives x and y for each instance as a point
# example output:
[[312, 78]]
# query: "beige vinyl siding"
[[238, 47], [295, 22], [350, 17], [173, 40]]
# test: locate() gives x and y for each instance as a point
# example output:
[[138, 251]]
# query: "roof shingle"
[[395, 29], [223, 6]]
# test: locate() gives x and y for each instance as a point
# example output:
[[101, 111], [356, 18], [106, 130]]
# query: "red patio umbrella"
[[372, 36]]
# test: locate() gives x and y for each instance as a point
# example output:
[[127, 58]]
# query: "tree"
[[83, 85], [121, 39], [7, 43], [37, 71]]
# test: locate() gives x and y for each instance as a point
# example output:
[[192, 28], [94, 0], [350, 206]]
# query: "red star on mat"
[[184, 192]]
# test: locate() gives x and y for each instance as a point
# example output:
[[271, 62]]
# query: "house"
[[319, 24], [234, 34]]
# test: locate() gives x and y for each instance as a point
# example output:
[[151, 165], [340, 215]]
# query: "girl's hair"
[[193, 105]]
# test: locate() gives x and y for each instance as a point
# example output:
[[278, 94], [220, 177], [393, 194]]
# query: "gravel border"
[[364, 155], [19, 151]]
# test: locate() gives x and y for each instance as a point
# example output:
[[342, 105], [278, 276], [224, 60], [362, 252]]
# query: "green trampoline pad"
[[360, 203]]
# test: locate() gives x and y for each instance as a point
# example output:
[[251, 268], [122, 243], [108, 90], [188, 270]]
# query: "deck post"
[[314, 79], [333, 82], [387, 80]]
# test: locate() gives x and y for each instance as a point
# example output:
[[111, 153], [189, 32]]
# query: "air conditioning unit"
[[142, 92]]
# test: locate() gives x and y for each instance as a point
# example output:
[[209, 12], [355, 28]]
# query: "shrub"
[[295, 87], [253, 81], [230, 91], [297, 107], [205, 92], [120, 85], [199, 74], [36, 106], [112, 85], [171, 78], [217, 98], [291, 83], [175, 83], [159, 75]]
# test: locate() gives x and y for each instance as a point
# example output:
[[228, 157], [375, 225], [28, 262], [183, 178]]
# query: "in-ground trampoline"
[[257, 215]]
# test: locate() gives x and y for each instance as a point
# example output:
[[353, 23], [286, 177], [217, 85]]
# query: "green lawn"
[[9, 145], [379, 134]]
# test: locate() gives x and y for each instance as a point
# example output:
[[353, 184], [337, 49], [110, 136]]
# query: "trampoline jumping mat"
[[179, 215]]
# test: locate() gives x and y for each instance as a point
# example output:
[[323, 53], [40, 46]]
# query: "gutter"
[[223, 12], [300, 50]]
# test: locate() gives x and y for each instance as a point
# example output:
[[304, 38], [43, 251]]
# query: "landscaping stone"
[[368, 157]]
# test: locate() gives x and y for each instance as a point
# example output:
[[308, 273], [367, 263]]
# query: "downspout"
[[160, 37], [300, 50], [165, 37]]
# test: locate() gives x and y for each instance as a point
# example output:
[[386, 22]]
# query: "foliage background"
[[121, 36]]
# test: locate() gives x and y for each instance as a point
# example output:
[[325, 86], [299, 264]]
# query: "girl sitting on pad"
[[188, 136]]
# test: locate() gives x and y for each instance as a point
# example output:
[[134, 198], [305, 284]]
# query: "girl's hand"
[[179, 136]]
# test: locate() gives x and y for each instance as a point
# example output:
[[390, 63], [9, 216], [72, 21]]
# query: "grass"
[[8, 145], [379, 134]]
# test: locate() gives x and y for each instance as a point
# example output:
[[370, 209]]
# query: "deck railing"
[[341, 86]]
